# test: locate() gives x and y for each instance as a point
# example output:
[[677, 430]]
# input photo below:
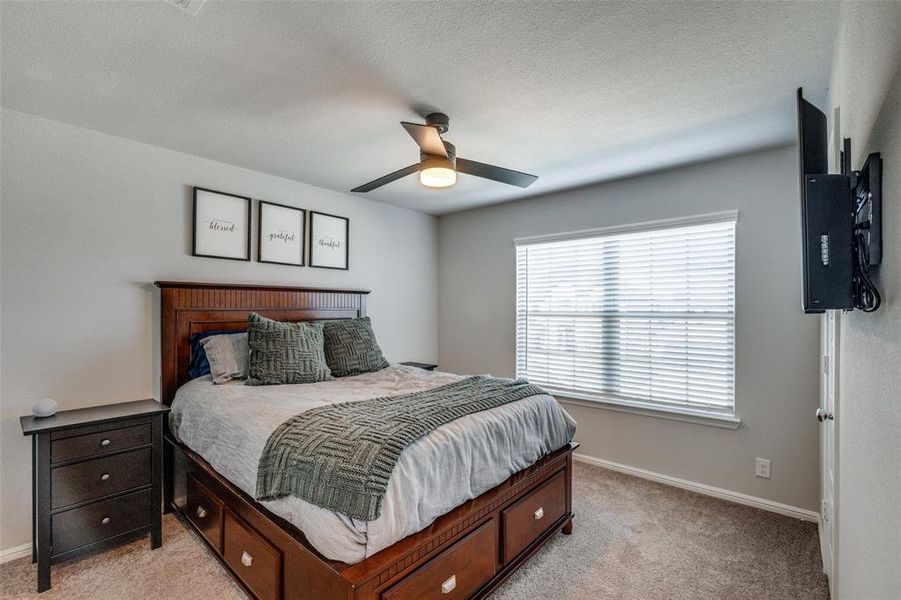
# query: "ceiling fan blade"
[[508, 176], [427, 137], [377, 183]]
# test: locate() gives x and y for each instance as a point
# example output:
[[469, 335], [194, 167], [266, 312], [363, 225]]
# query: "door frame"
[[830, 353]]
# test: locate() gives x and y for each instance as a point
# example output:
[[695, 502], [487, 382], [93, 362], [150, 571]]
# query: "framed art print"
[[281, 230], [221, 225], [329, 237]]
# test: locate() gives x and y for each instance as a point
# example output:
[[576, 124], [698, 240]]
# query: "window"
[[642, 316]]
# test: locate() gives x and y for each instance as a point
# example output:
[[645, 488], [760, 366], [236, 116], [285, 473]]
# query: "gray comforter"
[[229, 425]]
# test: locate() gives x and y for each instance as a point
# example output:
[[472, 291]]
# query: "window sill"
[[685, 416]]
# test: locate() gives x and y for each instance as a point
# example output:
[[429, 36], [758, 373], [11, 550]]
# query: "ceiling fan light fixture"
[[437, 173]]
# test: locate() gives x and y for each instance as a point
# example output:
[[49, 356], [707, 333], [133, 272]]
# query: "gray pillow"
[[227, 355], [285, 352], [350, 347]]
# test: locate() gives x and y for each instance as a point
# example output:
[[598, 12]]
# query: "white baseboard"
[[15, 552], [702, 488]]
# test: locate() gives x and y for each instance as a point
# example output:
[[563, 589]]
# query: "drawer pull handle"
[[104, 477], [105, 521], [201, 512], [104, 443], [539, 513], [246, 559], [448, 586]]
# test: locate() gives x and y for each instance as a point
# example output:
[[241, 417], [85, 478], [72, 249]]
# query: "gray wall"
[[867, 90], [776, 345], [90, 220]]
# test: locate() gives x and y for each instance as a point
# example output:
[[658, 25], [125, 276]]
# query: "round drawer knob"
[[104, 443], [105, 521], [539, 513], [104, 477], [201, 512], [246, 559]]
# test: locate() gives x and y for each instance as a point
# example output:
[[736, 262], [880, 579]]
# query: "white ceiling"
[[574, 92]]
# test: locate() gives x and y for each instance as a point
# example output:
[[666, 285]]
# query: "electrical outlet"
[[762, 468]]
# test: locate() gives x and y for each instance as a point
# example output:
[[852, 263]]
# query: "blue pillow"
[[198, 365]]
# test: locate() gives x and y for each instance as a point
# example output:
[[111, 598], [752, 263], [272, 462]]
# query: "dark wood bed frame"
[[465, 553]]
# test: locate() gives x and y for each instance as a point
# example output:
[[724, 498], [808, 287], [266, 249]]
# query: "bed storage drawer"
[[204, 510], [456, 573], [97, 444], [257, 563], [100, 477], [530, 517]]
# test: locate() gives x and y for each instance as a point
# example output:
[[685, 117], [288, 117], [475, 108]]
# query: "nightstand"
[[97, 479], [419, 365]]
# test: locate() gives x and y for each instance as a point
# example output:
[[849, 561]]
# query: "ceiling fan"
[[438, 163]]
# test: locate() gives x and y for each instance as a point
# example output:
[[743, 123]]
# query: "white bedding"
[[228, 425]]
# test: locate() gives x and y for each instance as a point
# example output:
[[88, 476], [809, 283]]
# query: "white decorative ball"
[[44, 408]]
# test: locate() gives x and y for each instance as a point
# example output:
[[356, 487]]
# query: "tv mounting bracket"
[[866, 205]]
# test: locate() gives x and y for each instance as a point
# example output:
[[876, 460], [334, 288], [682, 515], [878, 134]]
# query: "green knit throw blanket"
[[341, 456]]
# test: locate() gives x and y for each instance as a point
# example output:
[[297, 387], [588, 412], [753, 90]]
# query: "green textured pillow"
[[285, 352], [350, 347]]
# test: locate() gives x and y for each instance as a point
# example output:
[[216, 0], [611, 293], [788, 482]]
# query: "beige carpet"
[[633, 539]]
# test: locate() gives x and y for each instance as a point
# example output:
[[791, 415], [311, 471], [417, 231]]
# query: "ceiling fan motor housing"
[[438, 120]]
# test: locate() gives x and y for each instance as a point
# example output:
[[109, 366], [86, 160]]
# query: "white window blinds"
[[643, 315]]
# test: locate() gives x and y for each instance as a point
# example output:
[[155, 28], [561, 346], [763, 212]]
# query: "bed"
[[459, 516]]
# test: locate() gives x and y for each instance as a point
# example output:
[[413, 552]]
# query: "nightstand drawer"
[[95, 522], [97, 444], [100, 477]]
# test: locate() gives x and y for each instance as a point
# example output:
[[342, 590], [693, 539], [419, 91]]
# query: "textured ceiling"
[[574, 92]]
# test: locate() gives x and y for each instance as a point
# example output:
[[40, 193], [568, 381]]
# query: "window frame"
[[609, 402]]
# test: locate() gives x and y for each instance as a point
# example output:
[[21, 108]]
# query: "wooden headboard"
[[189, 307]]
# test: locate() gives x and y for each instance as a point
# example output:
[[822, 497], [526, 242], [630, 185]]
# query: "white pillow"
[[227, 355]]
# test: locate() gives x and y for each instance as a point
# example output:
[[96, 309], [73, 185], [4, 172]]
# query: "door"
[[825, 415]]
